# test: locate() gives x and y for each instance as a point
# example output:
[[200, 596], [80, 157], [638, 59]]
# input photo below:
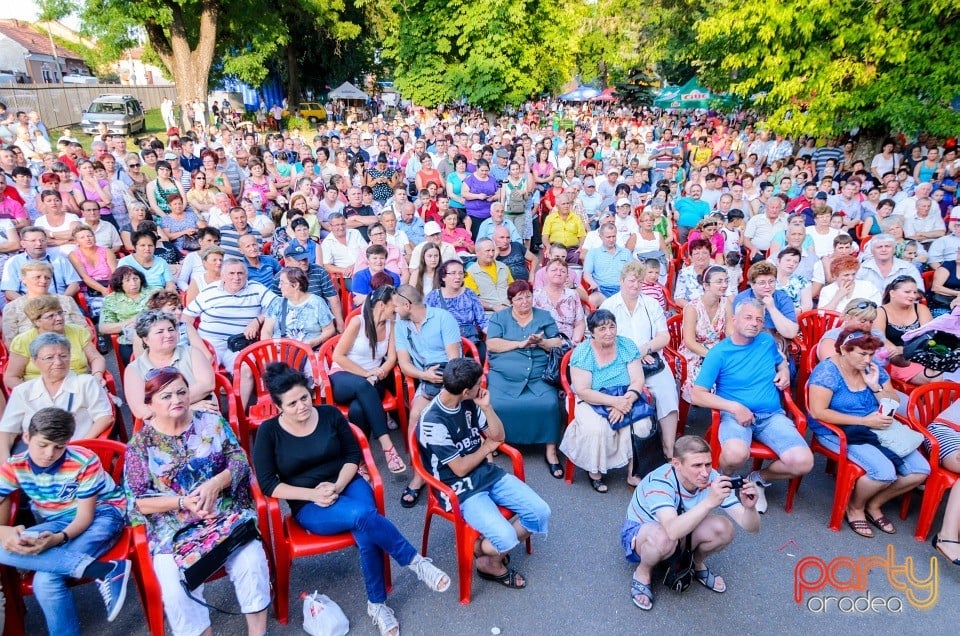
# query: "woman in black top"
[[318, 477]]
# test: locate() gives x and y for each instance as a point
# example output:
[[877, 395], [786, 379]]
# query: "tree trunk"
[[189, 66], [293, 79]]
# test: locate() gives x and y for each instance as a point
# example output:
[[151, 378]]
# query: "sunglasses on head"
[[152, 373], [864, 304]]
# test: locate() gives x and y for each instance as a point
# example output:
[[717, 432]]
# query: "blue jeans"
[[54, 566], [481, 512], [356, 512]]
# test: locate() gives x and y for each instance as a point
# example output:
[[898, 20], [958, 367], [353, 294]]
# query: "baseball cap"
[[503, 153], [954, 214], [623, 201], [296, 252], [821, 195], [170, 156], [613, 171], [588, 182], [216, 146], [366, 135], [476, 147], [431, 228]]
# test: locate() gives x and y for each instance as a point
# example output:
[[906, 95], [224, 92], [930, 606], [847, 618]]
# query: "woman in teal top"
[[519, 339], [605, 360], [155, 270], [455, 183]]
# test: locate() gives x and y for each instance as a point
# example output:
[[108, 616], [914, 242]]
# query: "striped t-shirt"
[[660, 489], [55, 490], [223, 314]]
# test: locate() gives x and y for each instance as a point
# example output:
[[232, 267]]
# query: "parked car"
[[312, 112], [121, 113], [77, 78]]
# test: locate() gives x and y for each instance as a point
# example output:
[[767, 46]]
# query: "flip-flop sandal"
[[883, 524], [394, 464], [511, 578], [644, 590], [599, 485], [708, 579], [861, 527], [413, 494]]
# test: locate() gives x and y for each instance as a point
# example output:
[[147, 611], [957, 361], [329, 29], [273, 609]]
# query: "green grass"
[[154, 122]]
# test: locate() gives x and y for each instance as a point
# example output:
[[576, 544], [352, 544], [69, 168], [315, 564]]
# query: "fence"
[[63, 105]]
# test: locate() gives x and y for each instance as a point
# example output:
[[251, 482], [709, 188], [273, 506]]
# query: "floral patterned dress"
[[159, 465], [567, 312], [710, 331]]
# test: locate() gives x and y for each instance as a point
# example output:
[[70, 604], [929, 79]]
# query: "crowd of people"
[[467, 251]]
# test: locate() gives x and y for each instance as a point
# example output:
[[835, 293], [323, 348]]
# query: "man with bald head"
[[521, 261]]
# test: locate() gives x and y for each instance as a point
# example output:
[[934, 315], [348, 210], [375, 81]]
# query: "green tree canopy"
[[489, 53], [823, 67]]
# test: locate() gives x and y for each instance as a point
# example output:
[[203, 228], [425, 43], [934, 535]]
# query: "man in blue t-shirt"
[[453, 449], [677, 501], [781, 315], [690, 209], [748, 372]]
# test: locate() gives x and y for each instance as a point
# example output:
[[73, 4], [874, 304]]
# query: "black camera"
[[736, 482]]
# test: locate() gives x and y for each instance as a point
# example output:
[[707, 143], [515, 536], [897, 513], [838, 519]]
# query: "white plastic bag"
[[323, 617]]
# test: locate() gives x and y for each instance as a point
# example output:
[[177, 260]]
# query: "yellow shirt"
[[490, 270], [567, 232], [79, 338]]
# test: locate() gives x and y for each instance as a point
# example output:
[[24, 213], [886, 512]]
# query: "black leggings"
[[365, 400]]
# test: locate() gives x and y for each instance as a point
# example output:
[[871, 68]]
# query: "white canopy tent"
[[348, 91]]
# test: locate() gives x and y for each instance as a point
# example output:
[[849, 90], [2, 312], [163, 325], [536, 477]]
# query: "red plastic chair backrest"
[[257, 356], [816, 322], [565, 383], [111, 454], [930, 400], [675, 327], [468, 349]]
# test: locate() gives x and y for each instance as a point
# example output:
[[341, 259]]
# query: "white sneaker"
[[384, 618], [761, 498], [435, 578]]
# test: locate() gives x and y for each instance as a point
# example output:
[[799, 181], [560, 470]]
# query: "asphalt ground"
[[578, 581]]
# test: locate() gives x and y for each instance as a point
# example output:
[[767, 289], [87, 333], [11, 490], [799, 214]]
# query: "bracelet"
[[179, 503], [635, 392], [66, 537]]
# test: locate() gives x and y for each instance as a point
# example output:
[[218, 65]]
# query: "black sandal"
[[413, 494], [936, 546], [511, 578], [599, 485], [554, 469]]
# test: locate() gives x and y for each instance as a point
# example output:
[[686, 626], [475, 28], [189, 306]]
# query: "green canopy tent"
[[690, 95]]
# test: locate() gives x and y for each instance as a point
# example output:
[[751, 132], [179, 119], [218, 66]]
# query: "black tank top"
[[894, 333]]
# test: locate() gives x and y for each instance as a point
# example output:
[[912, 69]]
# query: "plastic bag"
[[323, 617]]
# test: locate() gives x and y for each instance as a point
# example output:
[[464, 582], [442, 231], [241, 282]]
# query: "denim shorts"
[[776, 430], [872, 460], [628, 532]]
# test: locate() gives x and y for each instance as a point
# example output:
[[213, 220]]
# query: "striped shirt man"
[[223, 314]]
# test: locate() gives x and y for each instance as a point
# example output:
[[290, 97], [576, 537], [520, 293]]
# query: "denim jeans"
[[55, 566], [480, 511], [356, 512]]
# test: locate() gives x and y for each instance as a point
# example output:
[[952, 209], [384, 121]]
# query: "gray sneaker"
[[384, 618], [435, 578], [113, 588], [761, 498]]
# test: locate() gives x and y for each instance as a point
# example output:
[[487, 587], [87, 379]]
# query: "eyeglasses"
[[62, 357], [152, 373], [133, 165], [52, 315]]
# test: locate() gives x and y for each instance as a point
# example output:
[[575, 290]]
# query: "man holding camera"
[[672, 510]]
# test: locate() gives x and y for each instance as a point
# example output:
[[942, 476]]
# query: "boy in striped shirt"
[[80, 513]]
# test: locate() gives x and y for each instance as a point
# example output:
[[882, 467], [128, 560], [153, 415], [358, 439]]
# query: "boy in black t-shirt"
[[454, 450]]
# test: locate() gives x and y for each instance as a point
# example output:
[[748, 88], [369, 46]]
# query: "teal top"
[[612, 374]]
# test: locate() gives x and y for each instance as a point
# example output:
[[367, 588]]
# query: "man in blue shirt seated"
[[454, 450], [748, 372], [260, 268], [781, 316], [376, 263], [675, 503]]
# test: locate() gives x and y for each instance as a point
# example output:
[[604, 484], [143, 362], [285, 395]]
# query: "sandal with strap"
[[394, 463], [511, 578], [709, 580], [936, 546], [638, 590], [861, 527], [599, 485], [882, 523], [410, 496]]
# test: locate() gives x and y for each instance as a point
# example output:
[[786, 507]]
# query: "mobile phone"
[[32, 535], [736, 482]]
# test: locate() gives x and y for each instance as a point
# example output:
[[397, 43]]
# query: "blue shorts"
[[776, 430], [628, 532], [872, 460], [480, 511]]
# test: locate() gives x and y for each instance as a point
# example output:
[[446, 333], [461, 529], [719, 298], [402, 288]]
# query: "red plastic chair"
[[927, 277], [464, 535], [814, 323], [844, 470], [675, 327], [291, 541], [256, 357], [351, 315], [392, 401], [17, 584], [468, 349], [758, 451], [926, 403], [346, 298], [569, 404]]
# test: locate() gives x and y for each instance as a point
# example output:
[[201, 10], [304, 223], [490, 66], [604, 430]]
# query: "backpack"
[[516, 198]]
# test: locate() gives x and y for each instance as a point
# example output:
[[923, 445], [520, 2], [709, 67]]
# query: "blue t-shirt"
[[361, 281], [856, 403], [690, 212], [782, 301], [744, 373], [428, 347]]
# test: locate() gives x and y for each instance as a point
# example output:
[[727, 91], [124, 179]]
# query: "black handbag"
[[239, 342], [678, 567], [202, 548], [551, 372], [658, 365], [190, 243], [937, 351], [647, 451]]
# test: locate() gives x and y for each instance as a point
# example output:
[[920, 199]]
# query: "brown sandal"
[[861, 527], [882, 523]]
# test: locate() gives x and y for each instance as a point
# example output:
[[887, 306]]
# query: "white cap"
[[431, 228], [623, 201]]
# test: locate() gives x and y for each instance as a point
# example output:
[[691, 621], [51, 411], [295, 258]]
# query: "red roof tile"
[[34, 41]]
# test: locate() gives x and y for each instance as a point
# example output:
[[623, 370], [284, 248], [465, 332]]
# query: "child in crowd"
[[732, 230], [733, 260], [836, 221], [651, 283], [80, 512]]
